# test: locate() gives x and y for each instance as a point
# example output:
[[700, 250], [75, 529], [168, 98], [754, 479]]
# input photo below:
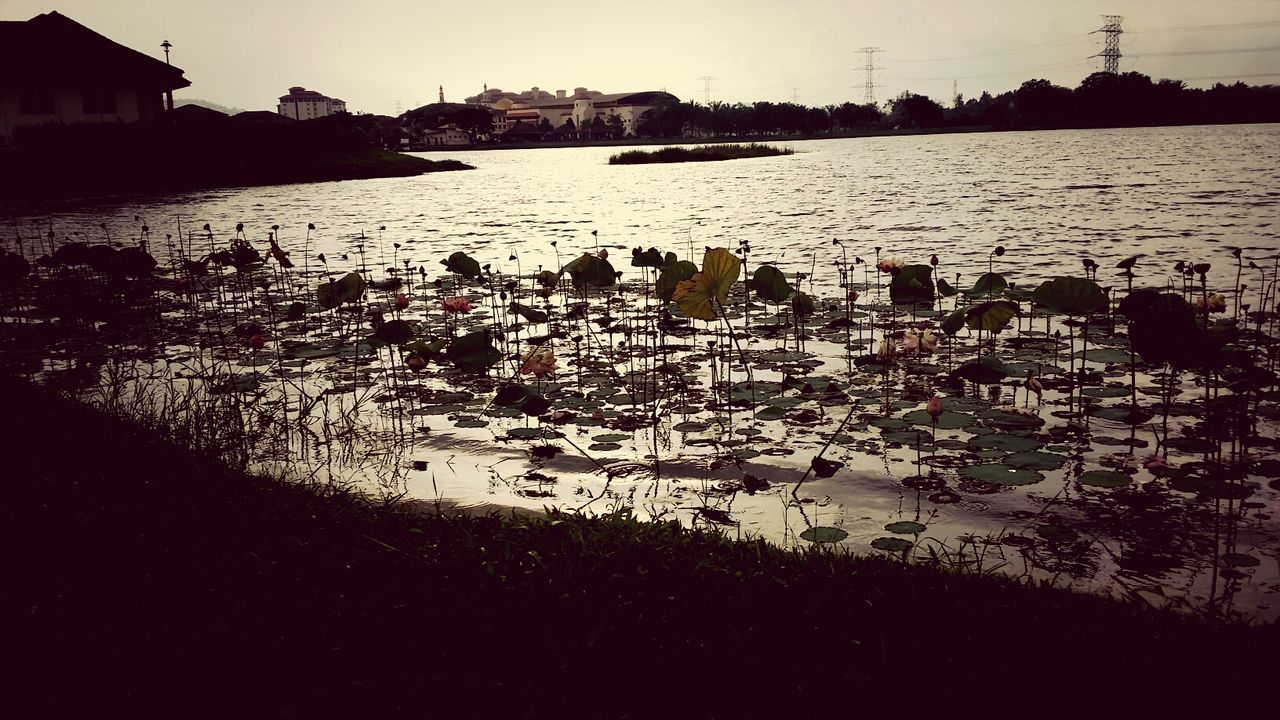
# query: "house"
[[59, 71], [446, 135], [303, 104]]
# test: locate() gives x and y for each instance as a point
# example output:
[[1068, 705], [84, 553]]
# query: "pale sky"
[[377, 53]]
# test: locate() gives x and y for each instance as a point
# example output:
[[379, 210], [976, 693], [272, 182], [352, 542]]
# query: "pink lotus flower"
[[256, 342], [888, 265], [402, 302], [1154, 462], [929, 341], [1215, 303], [457, 304], [910, 341], [415, 362], [602, 254], [539, 362], [934, 408], [853, 296], [887, 351]]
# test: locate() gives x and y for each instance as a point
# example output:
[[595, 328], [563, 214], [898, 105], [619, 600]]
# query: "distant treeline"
[[1101, 100]]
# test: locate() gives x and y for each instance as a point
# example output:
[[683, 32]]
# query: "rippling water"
[[1050, 198]]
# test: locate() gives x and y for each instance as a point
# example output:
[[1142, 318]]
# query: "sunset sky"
[[375, 55]]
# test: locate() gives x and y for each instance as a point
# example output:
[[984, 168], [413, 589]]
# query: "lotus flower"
[[256, 342], [539, 361], [853, 296], [602, 254], [934, 408], [1215, 304], [910, 341], [888, 265], [929, 341], [415, 362], [456, 304], [887, 351], [1154, 462], [402, 302]]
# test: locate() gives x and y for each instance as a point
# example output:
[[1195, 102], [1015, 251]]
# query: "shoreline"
[[887, 132]]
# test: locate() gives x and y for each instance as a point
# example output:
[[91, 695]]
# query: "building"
[[447, 135], [303, 104], [583, 107], [59, 71]]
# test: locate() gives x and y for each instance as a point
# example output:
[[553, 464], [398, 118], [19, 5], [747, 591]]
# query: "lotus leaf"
[[1070, 296], [1105, 479], [768, 283], [823, 534], [333, 293], [473, 352], [990, 316], [671, 276], [1001, 474], [462, 264], [698, 295]]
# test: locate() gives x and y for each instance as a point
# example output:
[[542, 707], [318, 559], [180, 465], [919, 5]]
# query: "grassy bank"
[[701, 153], [141, 577], [51, 163]]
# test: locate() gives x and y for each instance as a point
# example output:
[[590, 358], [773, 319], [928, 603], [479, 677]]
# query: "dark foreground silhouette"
[[142, 579]]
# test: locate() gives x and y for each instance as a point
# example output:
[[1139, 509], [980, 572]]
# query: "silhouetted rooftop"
[[54, 50]]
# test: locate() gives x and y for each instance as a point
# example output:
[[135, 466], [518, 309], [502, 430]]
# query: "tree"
[[615, 124], [1040, 103], [909, 110], [544, 126]]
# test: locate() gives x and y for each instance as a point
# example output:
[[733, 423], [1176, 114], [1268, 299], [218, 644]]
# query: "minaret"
[[441, 93]]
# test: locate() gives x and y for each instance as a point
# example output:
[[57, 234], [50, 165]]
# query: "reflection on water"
[[1050, 198]]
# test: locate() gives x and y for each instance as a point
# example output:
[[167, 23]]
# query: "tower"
[[706, 88], [1111, 47], [441, 93], [869, 97]]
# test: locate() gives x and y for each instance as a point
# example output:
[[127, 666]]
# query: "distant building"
[[56, 70], [447, 135], [583, 107], [303, 104]]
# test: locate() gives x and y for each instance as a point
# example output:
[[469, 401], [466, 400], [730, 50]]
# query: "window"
[[36, 103], [99, 101]]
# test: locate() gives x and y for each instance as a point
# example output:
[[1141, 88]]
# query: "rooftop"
[[53, 49]]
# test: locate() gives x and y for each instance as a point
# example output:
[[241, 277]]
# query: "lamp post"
[[168, 94]]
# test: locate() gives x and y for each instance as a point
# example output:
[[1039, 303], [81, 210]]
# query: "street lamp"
[[168, 94]]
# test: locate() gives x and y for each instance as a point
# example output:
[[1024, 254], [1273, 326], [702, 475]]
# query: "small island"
[[701, 153]]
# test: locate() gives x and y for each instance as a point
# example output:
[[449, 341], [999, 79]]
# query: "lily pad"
[[905, 527], [892, 544], [824, 534], [1105, 479], [1001, 474]]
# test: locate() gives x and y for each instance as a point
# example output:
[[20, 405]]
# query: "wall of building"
[[68, 106]]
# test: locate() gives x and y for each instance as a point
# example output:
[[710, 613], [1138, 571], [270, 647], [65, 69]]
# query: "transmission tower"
[[1111, 49], [869, 98], [706, 88]]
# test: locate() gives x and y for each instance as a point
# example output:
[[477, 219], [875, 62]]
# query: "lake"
[[730, 448]]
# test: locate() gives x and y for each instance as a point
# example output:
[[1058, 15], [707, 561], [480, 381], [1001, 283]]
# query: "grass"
[[701, 153], [145, 577]]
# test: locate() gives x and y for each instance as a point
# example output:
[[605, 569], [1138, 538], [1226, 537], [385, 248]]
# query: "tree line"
[[1101, 100]]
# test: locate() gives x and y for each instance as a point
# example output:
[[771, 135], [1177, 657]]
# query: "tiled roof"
[[52, 49]]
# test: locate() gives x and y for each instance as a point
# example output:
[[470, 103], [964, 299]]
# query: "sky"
[[378, 55]]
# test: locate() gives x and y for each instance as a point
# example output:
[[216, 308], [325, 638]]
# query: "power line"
[[1009, 51], [1068, 63], [1235, 51], [1230, 77], [1226, 26]]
